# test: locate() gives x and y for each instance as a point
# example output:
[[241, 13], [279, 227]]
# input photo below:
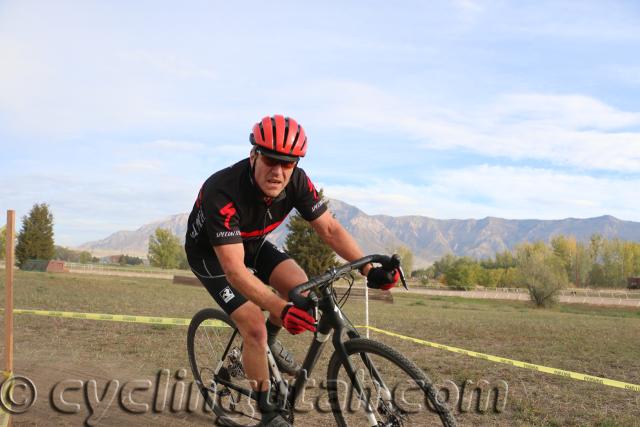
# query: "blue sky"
[[115, 112]]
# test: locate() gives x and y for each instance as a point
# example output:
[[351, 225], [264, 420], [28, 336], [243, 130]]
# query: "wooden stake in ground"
[[8, 310], [366, 306], [8, 301]]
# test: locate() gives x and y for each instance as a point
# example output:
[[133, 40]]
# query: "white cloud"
[[61, 85], [95, 206], [507, 192], [566, 130], [569, 111]]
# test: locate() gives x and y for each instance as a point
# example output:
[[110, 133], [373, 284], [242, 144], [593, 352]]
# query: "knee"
[[251, 324], [256, 334], [286, 276]]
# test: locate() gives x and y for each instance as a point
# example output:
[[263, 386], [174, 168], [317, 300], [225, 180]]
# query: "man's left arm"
[[339, 239]]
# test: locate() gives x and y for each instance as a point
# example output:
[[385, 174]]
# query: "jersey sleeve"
[[221, 218], [308, 201]]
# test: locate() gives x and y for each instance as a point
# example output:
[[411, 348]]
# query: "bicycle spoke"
[[221, 378], [387, 390]]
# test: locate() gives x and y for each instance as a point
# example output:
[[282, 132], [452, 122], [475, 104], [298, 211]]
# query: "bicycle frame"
[[332, 319]]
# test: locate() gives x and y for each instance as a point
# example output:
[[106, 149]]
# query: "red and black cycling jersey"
[[230, 208]]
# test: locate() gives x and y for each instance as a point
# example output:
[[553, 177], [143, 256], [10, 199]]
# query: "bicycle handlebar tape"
[[298, 300], [388, 263], [391, 263]]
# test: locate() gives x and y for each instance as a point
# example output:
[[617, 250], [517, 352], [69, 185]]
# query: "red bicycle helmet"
[[279, 137]]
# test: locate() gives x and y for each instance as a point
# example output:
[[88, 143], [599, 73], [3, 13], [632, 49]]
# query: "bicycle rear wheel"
[[389, 391], [215, 354]]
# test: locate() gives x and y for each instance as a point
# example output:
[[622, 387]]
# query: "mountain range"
[[428, 238]]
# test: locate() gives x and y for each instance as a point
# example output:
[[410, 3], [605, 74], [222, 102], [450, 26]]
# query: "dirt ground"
[[594, 340], [99, 386], [104, 411]]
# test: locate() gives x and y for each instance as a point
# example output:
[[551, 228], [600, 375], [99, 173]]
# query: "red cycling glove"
[[295, 320], [379, 278]]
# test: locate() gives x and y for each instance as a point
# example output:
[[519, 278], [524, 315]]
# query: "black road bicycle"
[[368, 382]]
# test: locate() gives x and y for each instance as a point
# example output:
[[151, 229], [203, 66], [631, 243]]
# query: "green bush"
[[463, 273], [165, 249], [542, 272]]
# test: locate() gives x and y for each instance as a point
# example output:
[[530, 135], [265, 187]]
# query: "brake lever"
[[395, 263], [404, 282]]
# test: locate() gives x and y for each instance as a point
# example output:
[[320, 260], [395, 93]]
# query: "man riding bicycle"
[[236, 208]]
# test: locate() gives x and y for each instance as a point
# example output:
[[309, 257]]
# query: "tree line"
[[598, 263], [543, 268], [35, 241], [564, 261]]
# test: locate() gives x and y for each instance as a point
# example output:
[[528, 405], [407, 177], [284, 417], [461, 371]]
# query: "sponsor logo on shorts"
[[227, 294]]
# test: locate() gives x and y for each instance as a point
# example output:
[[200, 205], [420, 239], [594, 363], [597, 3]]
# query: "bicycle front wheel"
[[214, 347], [384, 389]]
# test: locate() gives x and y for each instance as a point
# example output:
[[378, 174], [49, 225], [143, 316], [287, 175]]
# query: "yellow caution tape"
[[119, 318], [216, 323], [539, 368]]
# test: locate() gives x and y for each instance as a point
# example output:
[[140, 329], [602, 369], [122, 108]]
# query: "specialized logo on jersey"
[[227, 234], [227, 294], [227, 212], [312, 189]]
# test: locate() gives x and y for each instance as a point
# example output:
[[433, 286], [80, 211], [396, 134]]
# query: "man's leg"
[[286, 276], [250, 322], [249, 319], [246, 315]]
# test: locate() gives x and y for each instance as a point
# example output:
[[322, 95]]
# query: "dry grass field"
[[593, 340]]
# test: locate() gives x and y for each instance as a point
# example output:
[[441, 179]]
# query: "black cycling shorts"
[[210, 273]]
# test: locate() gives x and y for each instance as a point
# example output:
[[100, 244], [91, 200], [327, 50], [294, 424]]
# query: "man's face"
[[271, 175]]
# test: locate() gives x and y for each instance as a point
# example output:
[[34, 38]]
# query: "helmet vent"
[[295, 139], [286, 131], [274, 136]]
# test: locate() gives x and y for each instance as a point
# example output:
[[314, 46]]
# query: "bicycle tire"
[[230, 407], [390, 364]]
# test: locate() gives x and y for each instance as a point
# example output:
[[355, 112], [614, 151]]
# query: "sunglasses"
[[272, 163]]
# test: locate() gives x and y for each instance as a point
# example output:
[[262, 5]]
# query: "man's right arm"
[[231, 258]]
